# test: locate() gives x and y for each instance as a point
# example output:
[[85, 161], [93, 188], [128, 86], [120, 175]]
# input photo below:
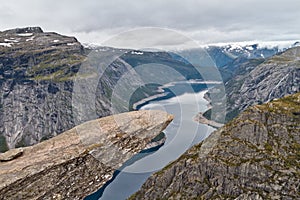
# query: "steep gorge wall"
[[255, 156]]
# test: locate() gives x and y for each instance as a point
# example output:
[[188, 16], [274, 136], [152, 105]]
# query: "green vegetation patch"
[[289, 105], [55, 67], [3, 144]]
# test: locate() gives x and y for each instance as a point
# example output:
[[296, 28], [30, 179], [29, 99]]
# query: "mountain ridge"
[[258, 81]]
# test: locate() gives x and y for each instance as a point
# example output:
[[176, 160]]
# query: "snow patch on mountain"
[[25, 34], [137, 52], [5, 44], [249, 45], [11, 40]]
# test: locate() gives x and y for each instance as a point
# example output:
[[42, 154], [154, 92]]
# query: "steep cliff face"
[[275, 78], [79, 161], [35, 73], [38, 73], [255, 83], [255, 156]]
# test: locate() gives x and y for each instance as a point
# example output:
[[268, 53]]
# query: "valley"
[[51, 85]]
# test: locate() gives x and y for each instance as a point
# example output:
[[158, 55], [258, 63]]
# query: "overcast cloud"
[[207, 21]]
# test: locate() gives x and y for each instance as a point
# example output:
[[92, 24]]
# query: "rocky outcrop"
[[255, 156], [79, 161]]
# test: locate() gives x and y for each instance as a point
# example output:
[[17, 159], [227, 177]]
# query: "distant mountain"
[[255, 156], [228, 57], [224, 53], [258, 81]]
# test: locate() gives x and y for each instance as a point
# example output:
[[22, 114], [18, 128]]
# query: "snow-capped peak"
[[249, 45]]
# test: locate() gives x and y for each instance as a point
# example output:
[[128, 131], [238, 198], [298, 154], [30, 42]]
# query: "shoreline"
[[145, 100], [198, 117], [203, 120], [161, 92]]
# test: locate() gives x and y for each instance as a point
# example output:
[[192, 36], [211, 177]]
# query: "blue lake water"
[[182, 99]]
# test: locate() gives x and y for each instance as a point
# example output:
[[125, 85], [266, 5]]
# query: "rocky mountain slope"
[[275, 78], [40, 71], [35, 68], [222, 62], [257, 82], [79, 161], [255, 156]]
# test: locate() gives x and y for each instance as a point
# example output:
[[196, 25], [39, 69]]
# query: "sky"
[[203, 21]]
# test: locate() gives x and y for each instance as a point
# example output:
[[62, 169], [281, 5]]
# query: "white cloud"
[[206, 21]]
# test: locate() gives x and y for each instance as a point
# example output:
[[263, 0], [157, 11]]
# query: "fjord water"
[[184, 100]]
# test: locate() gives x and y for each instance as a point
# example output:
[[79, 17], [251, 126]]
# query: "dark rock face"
[[255, 156], [35, 74], [79, 161], [24, 30]]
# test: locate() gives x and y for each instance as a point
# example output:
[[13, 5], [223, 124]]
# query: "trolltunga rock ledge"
[[79, 161]]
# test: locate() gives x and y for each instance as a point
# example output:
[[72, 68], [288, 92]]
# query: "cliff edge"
[[79, 161]]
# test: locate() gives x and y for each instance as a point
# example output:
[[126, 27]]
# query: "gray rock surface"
[[255, 156], [35, 86], [275, 78], [81, 160], [10, 155], [257, 83]]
